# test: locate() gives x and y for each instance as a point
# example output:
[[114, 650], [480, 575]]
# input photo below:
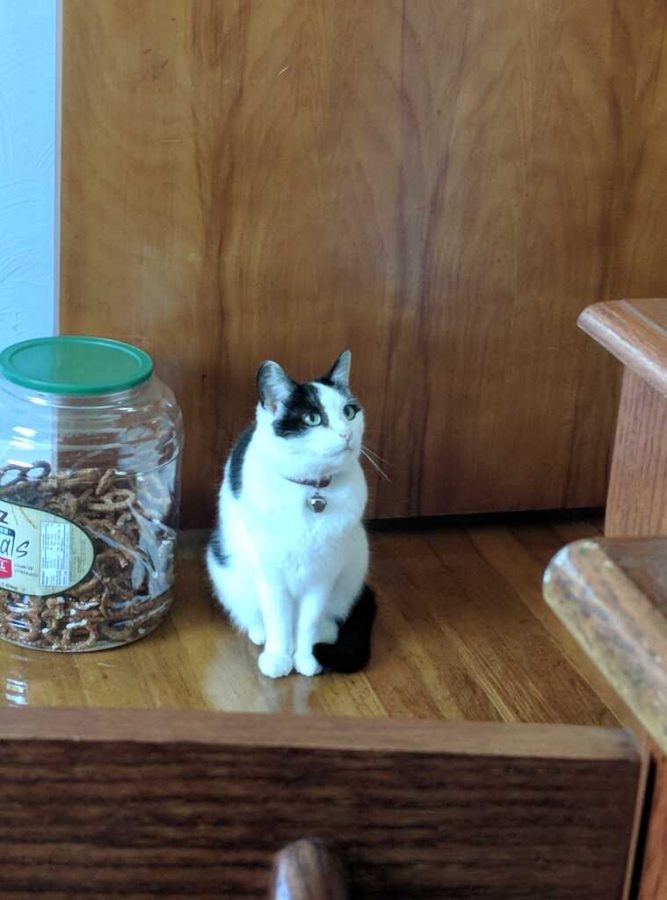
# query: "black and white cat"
[[289, 555]]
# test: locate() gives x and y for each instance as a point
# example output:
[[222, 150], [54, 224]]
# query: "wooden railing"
[[612, 593]]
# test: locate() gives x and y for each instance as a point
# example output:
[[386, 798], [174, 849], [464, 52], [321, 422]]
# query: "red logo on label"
[[5, 567]]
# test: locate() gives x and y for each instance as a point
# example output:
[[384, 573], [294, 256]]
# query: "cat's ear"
[[339, 373], [273, 384]]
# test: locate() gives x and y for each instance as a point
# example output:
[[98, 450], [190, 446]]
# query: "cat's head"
[[317, 426]]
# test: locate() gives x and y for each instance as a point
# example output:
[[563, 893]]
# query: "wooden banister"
[[635, 332], [612, 596]]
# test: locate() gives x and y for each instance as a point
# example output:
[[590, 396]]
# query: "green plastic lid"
[[73, 364]]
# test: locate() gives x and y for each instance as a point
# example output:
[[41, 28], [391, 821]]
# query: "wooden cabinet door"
[[441, 187]]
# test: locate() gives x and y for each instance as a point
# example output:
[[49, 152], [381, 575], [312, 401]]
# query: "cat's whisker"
[[376, 455], [375, 460], [375, 465]]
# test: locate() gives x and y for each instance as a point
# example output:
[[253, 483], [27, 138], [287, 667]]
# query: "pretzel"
[[65, 504], [16, 473], [54, 612], [113, 501], [22, 491], [105, 481], [124, 627], [71, 636], [86, 587], [125, 595], [42, 467], [21, 627], [81, 478]]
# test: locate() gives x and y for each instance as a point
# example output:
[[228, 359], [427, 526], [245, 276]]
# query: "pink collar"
[[310, 482]]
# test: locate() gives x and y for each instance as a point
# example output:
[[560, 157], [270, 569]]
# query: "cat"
[[289, 556]]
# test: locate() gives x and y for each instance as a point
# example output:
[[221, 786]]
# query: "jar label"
[[41, 553]]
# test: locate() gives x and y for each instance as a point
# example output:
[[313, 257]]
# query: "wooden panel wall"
[[442, 186]]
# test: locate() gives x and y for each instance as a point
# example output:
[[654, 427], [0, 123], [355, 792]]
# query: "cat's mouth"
[[342, 450]]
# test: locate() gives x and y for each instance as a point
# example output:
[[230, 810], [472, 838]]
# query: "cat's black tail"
[[352, 649]]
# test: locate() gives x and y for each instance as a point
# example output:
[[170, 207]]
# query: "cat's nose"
[[347, 435]]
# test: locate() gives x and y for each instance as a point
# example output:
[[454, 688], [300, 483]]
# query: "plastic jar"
[[90, 445]]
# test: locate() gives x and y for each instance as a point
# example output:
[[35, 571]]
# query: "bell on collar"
[[317, 503]]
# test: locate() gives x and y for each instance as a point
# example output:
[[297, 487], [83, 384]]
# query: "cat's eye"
[[312, 419], [350, 411]]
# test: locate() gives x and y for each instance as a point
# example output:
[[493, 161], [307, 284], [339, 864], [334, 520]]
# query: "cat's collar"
[[311, 482]]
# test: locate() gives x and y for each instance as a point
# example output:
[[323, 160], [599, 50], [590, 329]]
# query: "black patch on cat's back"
[[217, 547], [236, 458], [352, 649], [303, 399]]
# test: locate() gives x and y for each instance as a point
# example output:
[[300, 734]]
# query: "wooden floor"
[[462, 633]]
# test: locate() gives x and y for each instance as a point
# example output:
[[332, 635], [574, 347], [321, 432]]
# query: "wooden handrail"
[[635, 332], [612, 596]]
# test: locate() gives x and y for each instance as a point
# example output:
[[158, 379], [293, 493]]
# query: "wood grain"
[[440, 186], [166, 727], [519, 555], [635, 332], [653, 882], [309, 870], [612, 595], [462, 634], [637, 499], [141, 817]]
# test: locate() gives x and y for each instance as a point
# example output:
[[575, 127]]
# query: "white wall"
[[28, 183]]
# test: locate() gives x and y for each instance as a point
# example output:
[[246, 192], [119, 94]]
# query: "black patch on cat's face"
[[236, 461], [327, 382], [302, 400], [217, 547], [338, 376]]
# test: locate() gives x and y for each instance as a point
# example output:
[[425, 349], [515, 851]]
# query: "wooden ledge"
[[612, 596], [635, 332], [372, 736]]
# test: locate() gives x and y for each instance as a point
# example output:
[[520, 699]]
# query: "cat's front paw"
[[306, 664], [275, 665]]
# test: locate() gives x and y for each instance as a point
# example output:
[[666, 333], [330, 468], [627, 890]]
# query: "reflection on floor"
[[462, 633]]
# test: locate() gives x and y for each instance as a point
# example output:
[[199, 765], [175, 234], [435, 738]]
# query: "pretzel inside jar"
[[124, 596]]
